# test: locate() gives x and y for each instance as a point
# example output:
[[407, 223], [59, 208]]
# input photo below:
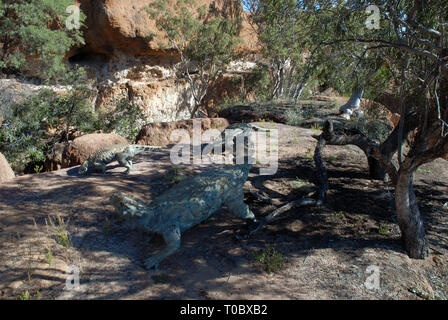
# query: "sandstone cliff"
[[123, 56]]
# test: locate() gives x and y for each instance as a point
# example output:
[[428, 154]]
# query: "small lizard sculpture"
[[122, 153]]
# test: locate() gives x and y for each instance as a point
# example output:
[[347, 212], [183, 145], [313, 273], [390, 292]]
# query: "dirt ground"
[[325, 251]]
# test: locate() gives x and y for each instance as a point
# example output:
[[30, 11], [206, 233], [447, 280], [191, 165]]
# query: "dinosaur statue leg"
[[124, 162], [172, 239], [235, 203], [99, 166]]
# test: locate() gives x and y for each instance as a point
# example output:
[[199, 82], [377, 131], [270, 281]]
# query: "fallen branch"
[[261, 197], [269, 218]]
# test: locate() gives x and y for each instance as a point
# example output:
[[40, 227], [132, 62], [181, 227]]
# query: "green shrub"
[[125, 119], [373, 127], [270, 259], [294, 117], [30, 128], [257, 84], [35, 38]]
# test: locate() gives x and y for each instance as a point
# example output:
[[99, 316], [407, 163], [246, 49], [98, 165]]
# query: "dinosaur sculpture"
[[231, 132], [123, 153], [193, 200], [187, 204]]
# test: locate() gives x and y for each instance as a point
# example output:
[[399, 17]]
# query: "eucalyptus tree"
[[34, 35], [205, 42], [408, 39], [285, 35], [411, 40]]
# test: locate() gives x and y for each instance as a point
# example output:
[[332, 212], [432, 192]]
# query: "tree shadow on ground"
[[210, 254]]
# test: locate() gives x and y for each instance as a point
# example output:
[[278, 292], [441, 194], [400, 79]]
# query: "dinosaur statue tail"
[[141, 147], [137, 148], [257, 128]]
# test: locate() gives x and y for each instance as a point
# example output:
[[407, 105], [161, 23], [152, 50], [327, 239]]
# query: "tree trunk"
[[376, 171], [353, 103], [409, 217]]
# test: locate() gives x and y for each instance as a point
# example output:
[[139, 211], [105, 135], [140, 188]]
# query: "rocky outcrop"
[[123, 26], [158, 134], [123, 56], [246, 113], [6, 172], [65, 155]]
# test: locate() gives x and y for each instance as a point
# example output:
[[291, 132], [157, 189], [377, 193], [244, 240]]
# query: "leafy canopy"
[[34, 36], [205, 41]]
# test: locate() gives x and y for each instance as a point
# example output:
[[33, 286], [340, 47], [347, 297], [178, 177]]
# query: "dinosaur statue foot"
[[152, 263]]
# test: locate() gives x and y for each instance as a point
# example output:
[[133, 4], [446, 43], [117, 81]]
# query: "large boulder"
[[158, 134], [6, 172], [65, 155]]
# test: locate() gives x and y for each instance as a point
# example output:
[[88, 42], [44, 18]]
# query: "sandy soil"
[[326, 251]]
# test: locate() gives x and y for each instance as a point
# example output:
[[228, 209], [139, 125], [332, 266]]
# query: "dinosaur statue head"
[[126, 206], [84, 167]]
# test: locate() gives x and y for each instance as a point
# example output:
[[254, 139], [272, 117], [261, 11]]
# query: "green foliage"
[[270, 259], [383, 229], [26, 295], [125, 119], [259, 83], [206, 44], [302, 186], [285, 36], [316, 128], [34, 36], [309, 153], [58, 228], [373, 127], [49, 255], [339, 215], [24, 133]]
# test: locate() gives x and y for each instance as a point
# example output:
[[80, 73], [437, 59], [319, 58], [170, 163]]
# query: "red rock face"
[[130, 65], [123, 26], [158, 134]]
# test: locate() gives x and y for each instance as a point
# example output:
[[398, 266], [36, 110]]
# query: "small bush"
[[58, 228], [270, 259], [26, 295], [294, 117], [30, 128], [126, 120], [373, 125], [383, 230], [257, 84], [302, 186]]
